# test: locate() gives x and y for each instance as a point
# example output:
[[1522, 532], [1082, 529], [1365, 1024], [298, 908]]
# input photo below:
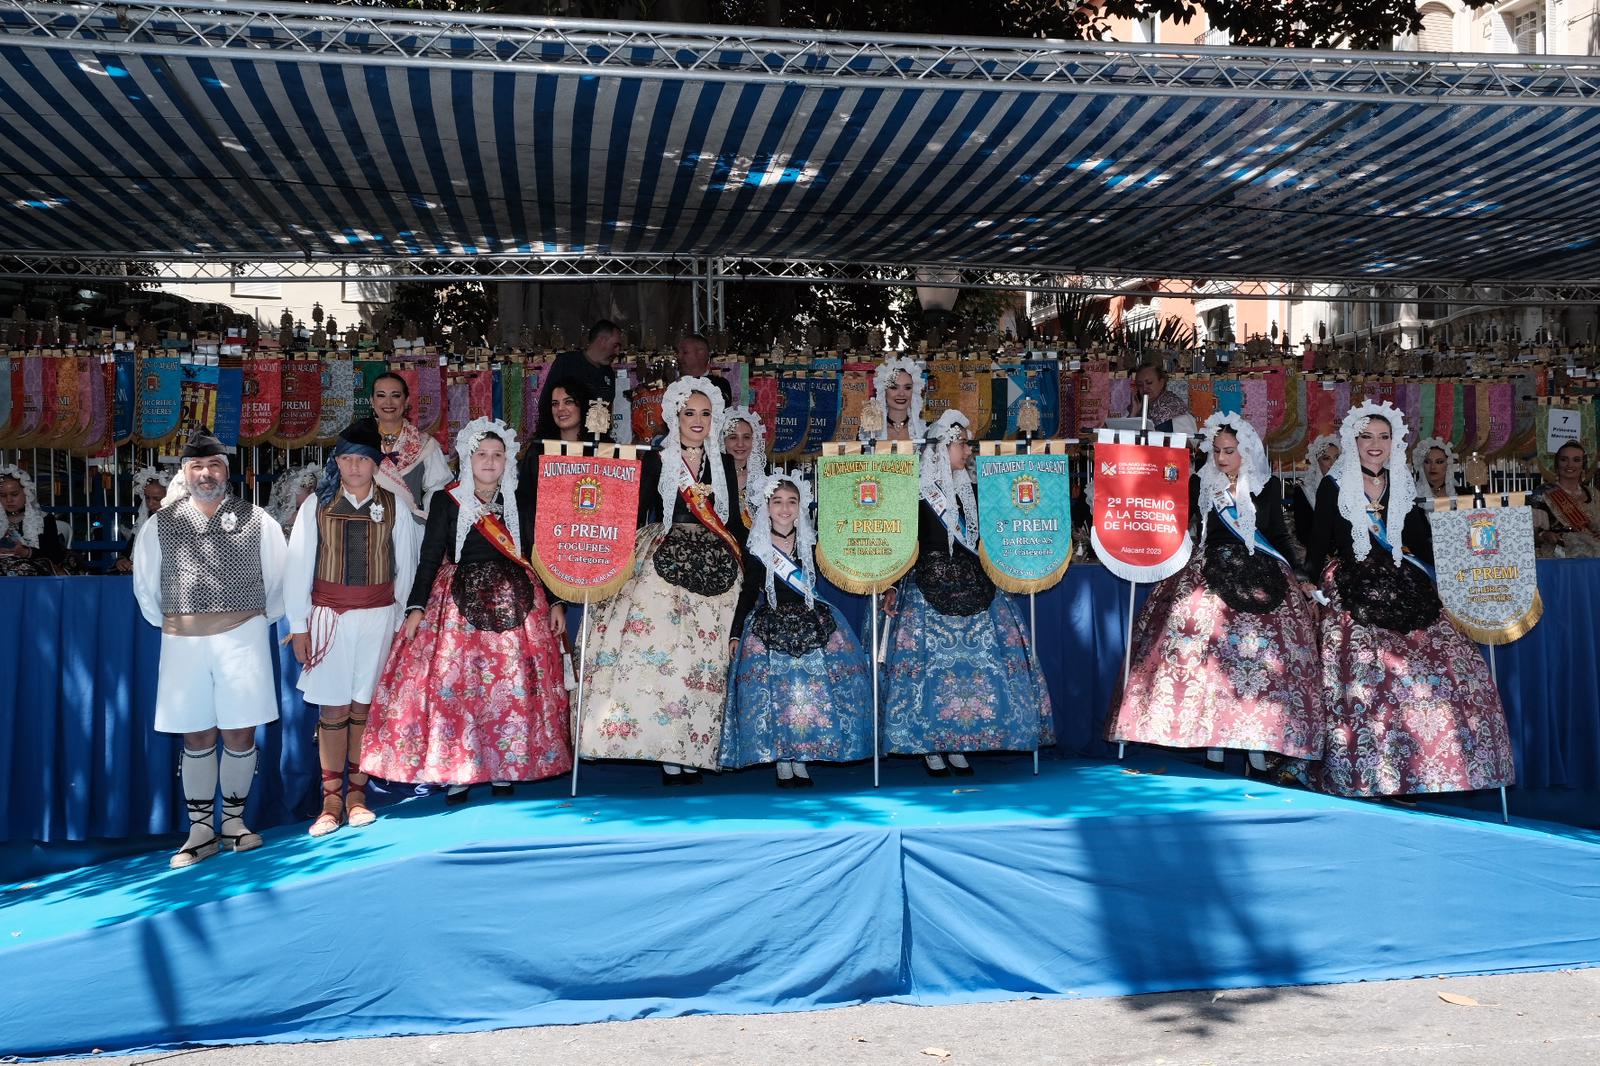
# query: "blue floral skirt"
[[962, 682], [815, 706]]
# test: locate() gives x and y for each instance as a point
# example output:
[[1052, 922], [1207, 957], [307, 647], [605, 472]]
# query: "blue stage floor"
[[1092, 879]]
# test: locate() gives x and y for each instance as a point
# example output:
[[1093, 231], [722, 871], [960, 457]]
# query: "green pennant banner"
[[867, 515]]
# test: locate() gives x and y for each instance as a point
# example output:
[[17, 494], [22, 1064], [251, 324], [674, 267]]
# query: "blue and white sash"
[[950, 517], [1380, 535], [787, 570], [1230, 518]]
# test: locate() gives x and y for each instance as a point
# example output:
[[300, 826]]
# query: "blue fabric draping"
[[77, 695], [77, 707], [1085, 880], [1550, 681], [1120, 906]]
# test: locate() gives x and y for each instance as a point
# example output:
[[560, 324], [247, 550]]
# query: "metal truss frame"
[[292, 32], [711, 275], [67, 266]]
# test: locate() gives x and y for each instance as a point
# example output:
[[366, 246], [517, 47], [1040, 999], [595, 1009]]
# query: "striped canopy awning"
[[302, 133]]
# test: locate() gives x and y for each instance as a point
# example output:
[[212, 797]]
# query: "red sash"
[[340, 598], [707, 514], [1568, 509], [494, 530]]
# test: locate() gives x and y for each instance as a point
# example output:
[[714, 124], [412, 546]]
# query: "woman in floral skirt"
[[801, 690], [472, 691], [657, 677], [1225, 650], [1410, 704], [959, 671]]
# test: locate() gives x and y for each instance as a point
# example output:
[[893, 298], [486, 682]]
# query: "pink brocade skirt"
[[459, 705], [1204, 675], [1407, 712]]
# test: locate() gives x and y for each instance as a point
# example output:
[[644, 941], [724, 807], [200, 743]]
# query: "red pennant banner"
[[645, 412], [584, 524], [300, 414], [258, 414], [1141, 510]]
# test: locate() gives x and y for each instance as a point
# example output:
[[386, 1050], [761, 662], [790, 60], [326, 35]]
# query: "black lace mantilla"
[[1379, 592], [696, 560], [493, 595], [793, 628], [954, 584], [1254, 584]]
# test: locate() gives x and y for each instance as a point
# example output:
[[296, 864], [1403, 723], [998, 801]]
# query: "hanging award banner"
[[5, 397], [300, 413], [258, 413], [160, 399], [1046, 389], [198, 393], [867, 514], [512, 377], [230, 400], [980, 405], [644, 413], [366, 373], [1485, 563], [1025, 514], [764, 400], [480, 394], [945, 380], [427, 391], [11, 429], [457, 409], [1141, 505], [338, 398], [793, 419], [103, 397], [125, 398], [93, 412], [824, 419], [585, 521], [91, 392], [534, 375], [854, 386], [65, 418]]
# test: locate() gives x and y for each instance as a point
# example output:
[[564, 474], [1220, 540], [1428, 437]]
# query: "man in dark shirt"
[[593, 366], [694, 361]]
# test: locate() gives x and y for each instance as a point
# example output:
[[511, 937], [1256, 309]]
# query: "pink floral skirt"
[[461, 705], [1205, 675], [1407, 712]]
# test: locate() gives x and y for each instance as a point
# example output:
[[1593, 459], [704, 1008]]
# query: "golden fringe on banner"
[[1002, 580], [1502, 634], [856, 587], [1006, 583]]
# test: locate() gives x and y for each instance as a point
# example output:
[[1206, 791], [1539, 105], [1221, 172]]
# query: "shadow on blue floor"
[[1093, 878]]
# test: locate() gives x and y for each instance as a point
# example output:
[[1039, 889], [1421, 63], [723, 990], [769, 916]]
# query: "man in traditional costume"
[[347, 577], [207, 569]]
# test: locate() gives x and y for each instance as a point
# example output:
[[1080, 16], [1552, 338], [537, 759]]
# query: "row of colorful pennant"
[[90, 403]]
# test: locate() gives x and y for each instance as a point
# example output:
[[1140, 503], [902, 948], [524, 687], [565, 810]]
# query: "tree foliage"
[[1364, 24]]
